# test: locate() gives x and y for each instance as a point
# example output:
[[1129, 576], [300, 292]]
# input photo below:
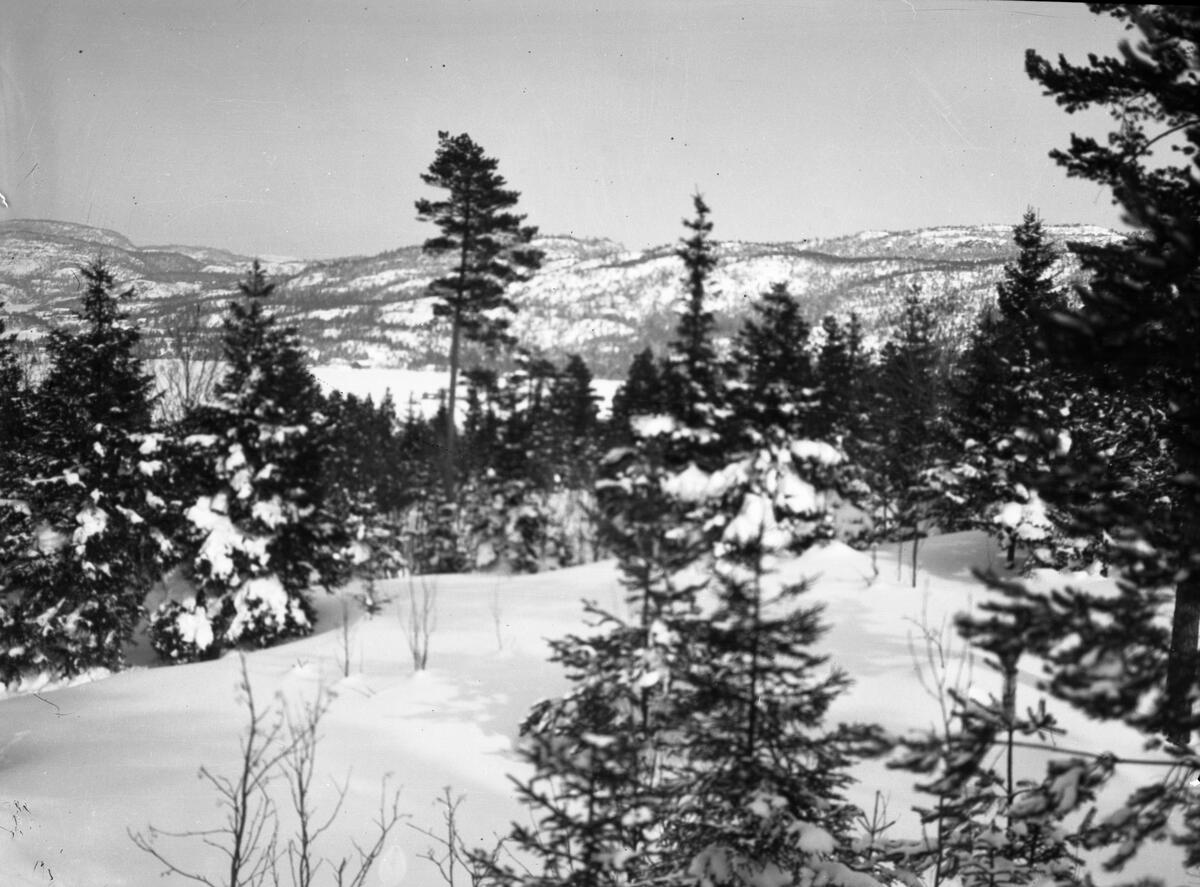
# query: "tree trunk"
[[449, 473], [1008, 667], [1183, 663], [916, 542]]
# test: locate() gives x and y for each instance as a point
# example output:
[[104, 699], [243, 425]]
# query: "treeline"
[[272, 488]]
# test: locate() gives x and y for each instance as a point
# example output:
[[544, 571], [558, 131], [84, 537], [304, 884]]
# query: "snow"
[[652, 425], [194, 625], [689, 485], [259, 595], [210, 513], [84, 763], [92, 522], [270, 513], [1027, 520], [816, 451], [813, 839]]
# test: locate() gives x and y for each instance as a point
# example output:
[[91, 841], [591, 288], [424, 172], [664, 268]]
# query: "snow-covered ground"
[[82, 765]]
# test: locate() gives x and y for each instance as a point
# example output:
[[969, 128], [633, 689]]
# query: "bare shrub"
[[278, 744], [450, 854], [191, 366], [421, 620]]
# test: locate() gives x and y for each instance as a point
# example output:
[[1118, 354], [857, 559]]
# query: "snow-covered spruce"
[[82, 512], [261, 527], [690, 747]]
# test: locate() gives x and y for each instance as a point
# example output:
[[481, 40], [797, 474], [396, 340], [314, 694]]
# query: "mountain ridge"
[[593, 296]]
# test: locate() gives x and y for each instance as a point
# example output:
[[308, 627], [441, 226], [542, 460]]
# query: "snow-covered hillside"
[[82, 765], [592, 296]]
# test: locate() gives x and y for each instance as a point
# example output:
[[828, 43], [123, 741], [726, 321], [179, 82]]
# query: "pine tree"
[[489, 246], [263, 528], [1139, 320], [1132, 339], [992, 826], [88, 488]]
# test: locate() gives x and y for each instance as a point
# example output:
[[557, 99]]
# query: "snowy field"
[[420, 388], [424, 387], [82, 765]]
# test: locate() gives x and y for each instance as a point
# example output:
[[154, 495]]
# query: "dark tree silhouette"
[[1140, 317]]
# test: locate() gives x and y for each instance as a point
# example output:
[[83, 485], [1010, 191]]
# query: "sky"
[[301, 127]]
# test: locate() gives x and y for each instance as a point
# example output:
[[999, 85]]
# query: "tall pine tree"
[[489, 246], [1140, 319]]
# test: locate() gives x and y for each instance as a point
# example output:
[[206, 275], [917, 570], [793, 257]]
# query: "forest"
[[692, 746]]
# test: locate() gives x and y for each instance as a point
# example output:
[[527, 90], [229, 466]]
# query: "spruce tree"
[[431, 526], [16, 523], [87, 482], [574, 400], [841, 373], [909, 393], [755, 778], [489, 247], [690, 748], [263, 528], [359, 473], [1007, 387], [773, 365], [691, 375], [15, 416], [12, 394], [641, 394]]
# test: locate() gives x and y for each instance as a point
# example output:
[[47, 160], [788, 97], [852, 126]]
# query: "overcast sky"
[[300, 127]]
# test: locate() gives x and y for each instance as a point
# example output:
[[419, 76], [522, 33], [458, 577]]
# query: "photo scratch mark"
[[28, 174], [3, 200], [57, 711]]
